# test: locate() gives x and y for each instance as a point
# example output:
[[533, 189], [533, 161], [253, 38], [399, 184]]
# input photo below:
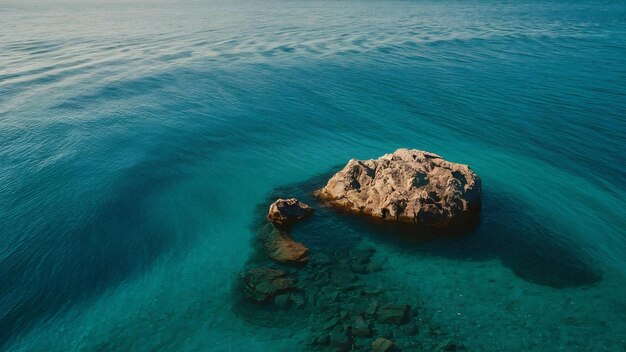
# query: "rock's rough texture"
[[283, 249], [360, 328], [382, 345], [397, 314], [262, 284], [409, 186], [283, 213]]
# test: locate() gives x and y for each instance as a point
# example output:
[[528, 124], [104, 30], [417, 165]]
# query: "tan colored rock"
[[409, 186], [283, 213], [282, 248], [262, 284], [382, 345]]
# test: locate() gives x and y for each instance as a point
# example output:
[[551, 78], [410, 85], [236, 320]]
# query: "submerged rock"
[[409, 186], [339, 300], [341, 339], [283, 213], [263, 284], [397, 314], [283, 249], [382, 345], [360, 327]]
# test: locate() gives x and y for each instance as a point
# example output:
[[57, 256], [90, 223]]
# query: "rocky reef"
[[321, 278], [262, 284], [409, 186], [335, 295]]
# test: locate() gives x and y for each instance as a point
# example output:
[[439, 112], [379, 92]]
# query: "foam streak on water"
[[137, 140]]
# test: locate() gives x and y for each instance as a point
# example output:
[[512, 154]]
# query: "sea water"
[[140, 140]]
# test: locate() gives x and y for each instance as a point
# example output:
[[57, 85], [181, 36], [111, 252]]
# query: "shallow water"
[[138, 141]]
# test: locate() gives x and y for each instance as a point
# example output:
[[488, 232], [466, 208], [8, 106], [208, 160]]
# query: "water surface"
[[138, 139]]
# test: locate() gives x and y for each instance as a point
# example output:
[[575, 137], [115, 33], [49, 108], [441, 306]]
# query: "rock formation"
[[343, 297], [396, 314], [283, 213], [282, 248], [382, 345], [262, 284], [409, 186]]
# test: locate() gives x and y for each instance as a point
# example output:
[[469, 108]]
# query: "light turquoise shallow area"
[[137, 140]]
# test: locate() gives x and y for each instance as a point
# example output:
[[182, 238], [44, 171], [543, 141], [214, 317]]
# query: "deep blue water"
[[138, 140]]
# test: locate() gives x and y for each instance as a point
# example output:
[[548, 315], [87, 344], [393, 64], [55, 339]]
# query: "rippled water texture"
[[138, 141]]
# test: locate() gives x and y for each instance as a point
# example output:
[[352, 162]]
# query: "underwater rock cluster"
[[410, 186], [330, 296], [263, 284], [339, 292]]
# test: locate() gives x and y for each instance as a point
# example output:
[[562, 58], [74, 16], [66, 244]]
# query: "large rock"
[[282, 248], [262, 284], [409, 186], [283, 213]]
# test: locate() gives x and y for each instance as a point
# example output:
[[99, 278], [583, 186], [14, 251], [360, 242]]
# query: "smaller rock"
[[382, 345], [341, 339], [361, 328], [284, 213], [397, 314], [371, 308], [262, 284], [283, 249]]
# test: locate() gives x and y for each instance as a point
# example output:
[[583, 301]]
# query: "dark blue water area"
[[100, 245], [135, 144]]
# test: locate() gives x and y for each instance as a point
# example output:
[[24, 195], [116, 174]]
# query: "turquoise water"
[[140, 141]]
